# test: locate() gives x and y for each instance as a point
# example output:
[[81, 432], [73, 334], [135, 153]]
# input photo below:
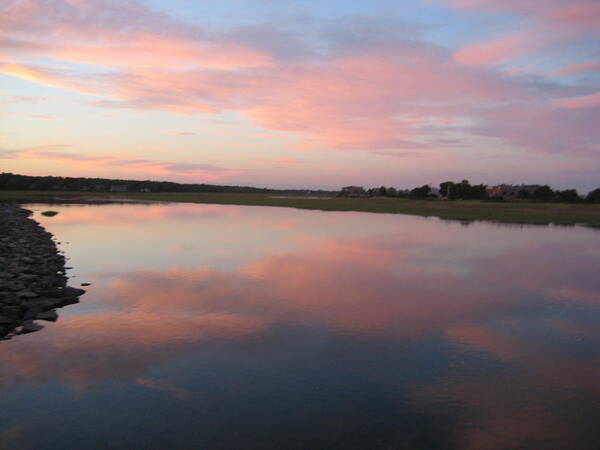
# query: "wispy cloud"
[[180, 133], [548, 26], [588, 101], [15, 99], [42, 117], [51, 77], [282, 161], [89, 161], [580, 68]]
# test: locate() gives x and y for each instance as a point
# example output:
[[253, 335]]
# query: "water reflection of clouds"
[[161, 385], [120, 346], [123, 214], [362, 286], [534, 411], [349, 284], [511, 352]]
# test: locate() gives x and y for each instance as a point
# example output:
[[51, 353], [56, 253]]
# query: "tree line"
[[465, 191], [11, 181]]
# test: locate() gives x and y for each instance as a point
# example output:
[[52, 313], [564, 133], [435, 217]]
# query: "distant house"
[[510, 191], [493, 191], [118, 188], [353, 191], [145, 190]]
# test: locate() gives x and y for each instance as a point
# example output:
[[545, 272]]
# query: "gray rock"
[[32, 274], [6, 320], [30, 327], [11, 312], [50, 316], [73, 292]]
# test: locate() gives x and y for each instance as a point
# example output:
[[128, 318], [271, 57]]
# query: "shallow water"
[[210, 326]]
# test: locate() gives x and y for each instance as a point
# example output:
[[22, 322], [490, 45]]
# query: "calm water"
[[211, 326]]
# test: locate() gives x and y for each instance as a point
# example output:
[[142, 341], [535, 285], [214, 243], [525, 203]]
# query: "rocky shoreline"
[[33, 282]]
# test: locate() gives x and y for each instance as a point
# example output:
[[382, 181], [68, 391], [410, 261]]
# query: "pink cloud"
[[503, 48], [551, 129], [583, 14], [584, 67], [589, 101], [23, 99], [106, 34], [180, 133], [526, 7], [373, 102], [87, 162], [351, 102], [43, 76], [374, 96], [550, 27], [282, 161]]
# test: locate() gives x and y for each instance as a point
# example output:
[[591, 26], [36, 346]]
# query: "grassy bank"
[[511, 212]]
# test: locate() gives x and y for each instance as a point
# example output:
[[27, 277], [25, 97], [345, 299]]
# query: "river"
[[237, 327]]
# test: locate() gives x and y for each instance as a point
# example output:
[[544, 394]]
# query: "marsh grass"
[[465, 210]]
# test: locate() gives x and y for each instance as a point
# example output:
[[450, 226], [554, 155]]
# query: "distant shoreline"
[[466, 210]]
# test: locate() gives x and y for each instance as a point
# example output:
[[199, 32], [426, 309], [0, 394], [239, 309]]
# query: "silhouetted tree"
[[475, 192], [26, 182], [523, 194], [420, 192], [445, 187], [593, 196], [567, 196], [462, 190], [543, 193]]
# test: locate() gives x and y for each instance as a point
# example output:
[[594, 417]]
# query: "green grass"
[[511, 212]]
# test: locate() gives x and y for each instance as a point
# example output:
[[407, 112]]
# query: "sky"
[[303, 93]]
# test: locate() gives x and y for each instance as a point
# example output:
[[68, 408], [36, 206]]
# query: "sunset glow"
[[302, 93]]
